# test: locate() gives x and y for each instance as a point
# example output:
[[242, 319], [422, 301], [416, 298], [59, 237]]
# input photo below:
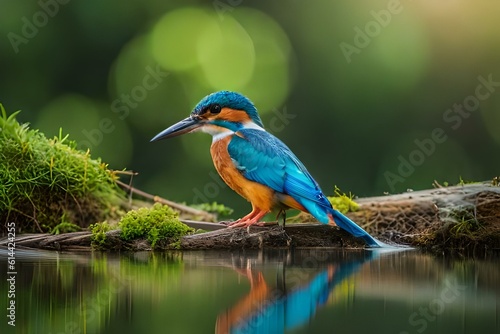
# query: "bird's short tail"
[[348, 225]]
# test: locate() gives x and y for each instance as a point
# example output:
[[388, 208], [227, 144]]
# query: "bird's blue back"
[[263, 158]]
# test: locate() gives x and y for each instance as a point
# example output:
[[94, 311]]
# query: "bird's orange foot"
[[251, 219], [245, 223], [248, 223]]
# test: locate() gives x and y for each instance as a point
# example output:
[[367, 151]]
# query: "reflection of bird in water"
[[249, 304], [274, 310], [257, 165]]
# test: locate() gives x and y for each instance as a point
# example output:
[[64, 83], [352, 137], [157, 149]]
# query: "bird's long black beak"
[[186, 125]]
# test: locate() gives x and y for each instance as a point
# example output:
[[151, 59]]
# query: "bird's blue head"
[[216, 113]]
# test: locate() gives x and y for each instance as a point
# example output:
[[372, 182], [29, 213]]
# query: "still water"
[[279, 291]]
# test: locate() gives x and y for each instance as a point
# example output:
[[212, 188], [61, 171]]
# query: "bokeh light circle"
[[226, 55], [174, 37], [246, 51]]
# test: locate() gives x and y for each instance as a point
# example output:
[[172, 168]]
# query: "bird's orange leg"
[[249, 216], [250, 219]]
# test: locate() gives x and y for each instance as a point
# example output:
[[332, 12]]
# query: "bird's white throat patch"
[[219, 133], [252, 125]]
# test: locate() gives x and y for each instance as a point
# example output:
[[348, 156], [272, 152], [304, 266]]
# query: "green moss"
[[461, 182], [157, 223], [48, 185], [464, 223], [463, 228], [176, 244], [99, 230], [343, 202], [214, 207], [65, 227]]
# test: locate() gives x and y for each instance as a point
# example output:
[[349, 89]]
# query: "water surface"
[[279, 291]]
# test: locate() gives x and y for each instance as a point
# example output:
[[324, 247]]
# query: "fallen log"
[[296, 235], [464, 218]]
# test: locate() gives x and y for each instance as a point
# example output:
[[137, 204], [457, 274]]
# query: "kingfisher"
[[257, 165]]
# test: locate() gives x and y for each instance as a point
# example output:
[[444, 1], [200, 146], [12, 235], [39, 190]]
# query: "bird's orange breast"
[[259, 195]]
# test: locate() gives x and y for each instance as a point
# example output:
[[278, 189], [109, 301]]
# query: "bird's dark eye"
[[215, 109]]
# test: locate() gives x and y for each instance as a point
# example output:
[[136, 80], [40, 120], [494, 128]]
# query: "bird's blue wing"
[[263, 158], [255, 156]]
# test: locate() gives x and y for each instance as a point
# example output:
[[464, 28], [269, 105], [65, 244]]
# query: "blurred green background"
[[350, 86]]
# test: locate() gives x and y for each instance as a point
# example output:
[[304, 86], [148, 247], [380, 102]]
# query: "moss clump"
[[99, 238], [157, 223], [47, 185], [342, 202]]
